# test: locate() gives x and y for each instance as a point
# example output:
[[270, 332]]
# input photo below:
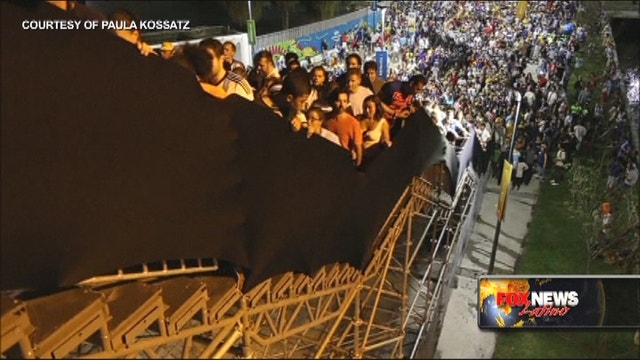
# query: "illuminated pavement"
[[461, 317], [460, 336]]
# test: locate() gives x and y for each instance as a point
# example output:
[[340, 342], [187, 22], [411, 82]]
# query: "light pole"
[[373, 23], [496, 237], [250, 20], [515, 126], [383, 29], [382, 6]]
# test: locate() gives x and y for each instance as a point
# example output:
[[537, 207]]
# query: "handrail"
[[201, 265]]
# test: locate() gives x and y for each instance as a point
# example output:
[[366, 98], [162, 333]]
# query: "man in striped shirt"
[[229, 82]]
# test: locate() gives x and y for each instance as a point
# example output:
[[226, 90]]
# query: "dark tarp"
[[111, 159], [296, 193]]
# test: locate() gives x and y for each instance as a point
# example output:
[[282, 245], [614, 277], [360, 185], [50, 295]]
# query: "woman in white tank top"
[[375, 128]]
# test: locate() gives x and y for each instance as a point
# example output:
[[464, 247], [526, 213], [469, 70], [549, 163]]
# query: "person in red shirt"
[[542, 81], [454, 78], [398, 100]]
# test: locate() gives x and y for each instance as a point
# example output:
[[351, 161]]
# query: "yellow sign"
[[505, 184], [522, 9]]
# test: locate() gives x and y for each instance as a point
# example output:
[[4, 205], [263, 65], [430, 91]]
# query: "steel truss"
[[392, 309]]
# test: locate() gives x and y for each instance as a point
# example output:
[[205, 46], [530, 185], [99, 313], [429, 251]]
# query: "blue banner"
[[312, 44], [382, 58]]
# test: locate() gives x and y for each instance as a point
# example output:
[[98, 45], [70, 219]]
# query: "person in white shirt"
[[568, 118], [530, 97], [315, 118], [559, 168], [552, 97], [230, 62], [519, 168], [631, 175], [579, 131], [485, 134], [229, 82], [457, 124], [357, 92]]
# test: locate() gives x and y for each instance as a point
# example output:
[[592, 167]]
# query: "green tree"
[[327, 9], [238, 12], [285, 8]]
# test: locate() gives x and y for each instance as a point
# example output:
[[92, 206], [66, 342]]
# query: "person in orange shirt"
[[345, 125]]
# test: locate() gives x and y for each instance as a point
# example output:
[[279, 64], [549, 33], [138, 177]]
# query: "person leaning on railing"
[[397, 98], [131, 35], [200, 62]]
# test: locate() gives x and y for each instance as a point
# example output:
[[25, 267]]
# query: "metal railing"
[[164, 268], [263, 41]]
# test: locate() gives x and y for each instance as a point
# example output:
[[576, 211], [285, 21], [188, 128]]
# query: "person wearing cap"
[[167, 50]]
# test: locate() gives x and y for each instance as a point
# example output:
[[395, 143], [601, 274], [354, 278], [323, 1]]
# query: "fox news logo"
[[540, 303]]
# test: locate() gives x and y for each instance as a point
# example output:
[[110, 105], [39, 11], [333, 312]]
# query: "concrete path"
[[460, 336]]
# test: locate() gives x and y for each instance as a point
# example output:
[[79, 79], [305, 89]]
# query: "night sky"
[[201, 13], [198, 12]]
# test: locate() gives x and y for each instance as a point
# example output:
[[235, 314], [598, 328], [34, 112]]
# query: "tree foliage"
[[327, 9], [285, 7], [238, 12]]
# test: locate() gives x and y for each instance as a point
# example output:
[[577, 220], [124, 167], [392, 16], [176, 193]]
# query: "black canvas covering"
[[111, 159]]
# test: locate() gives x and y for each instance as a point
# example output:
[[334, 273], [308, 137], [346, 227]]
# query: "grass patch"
[[620, 6], [556, 243], [564, 344], [547, 249], [555, 246], [595, 62]]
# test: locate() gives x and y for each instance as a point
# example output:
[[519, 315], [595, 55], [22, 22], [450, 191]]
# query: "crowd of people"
[[477, 67], [486, 56], [357, 110]]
